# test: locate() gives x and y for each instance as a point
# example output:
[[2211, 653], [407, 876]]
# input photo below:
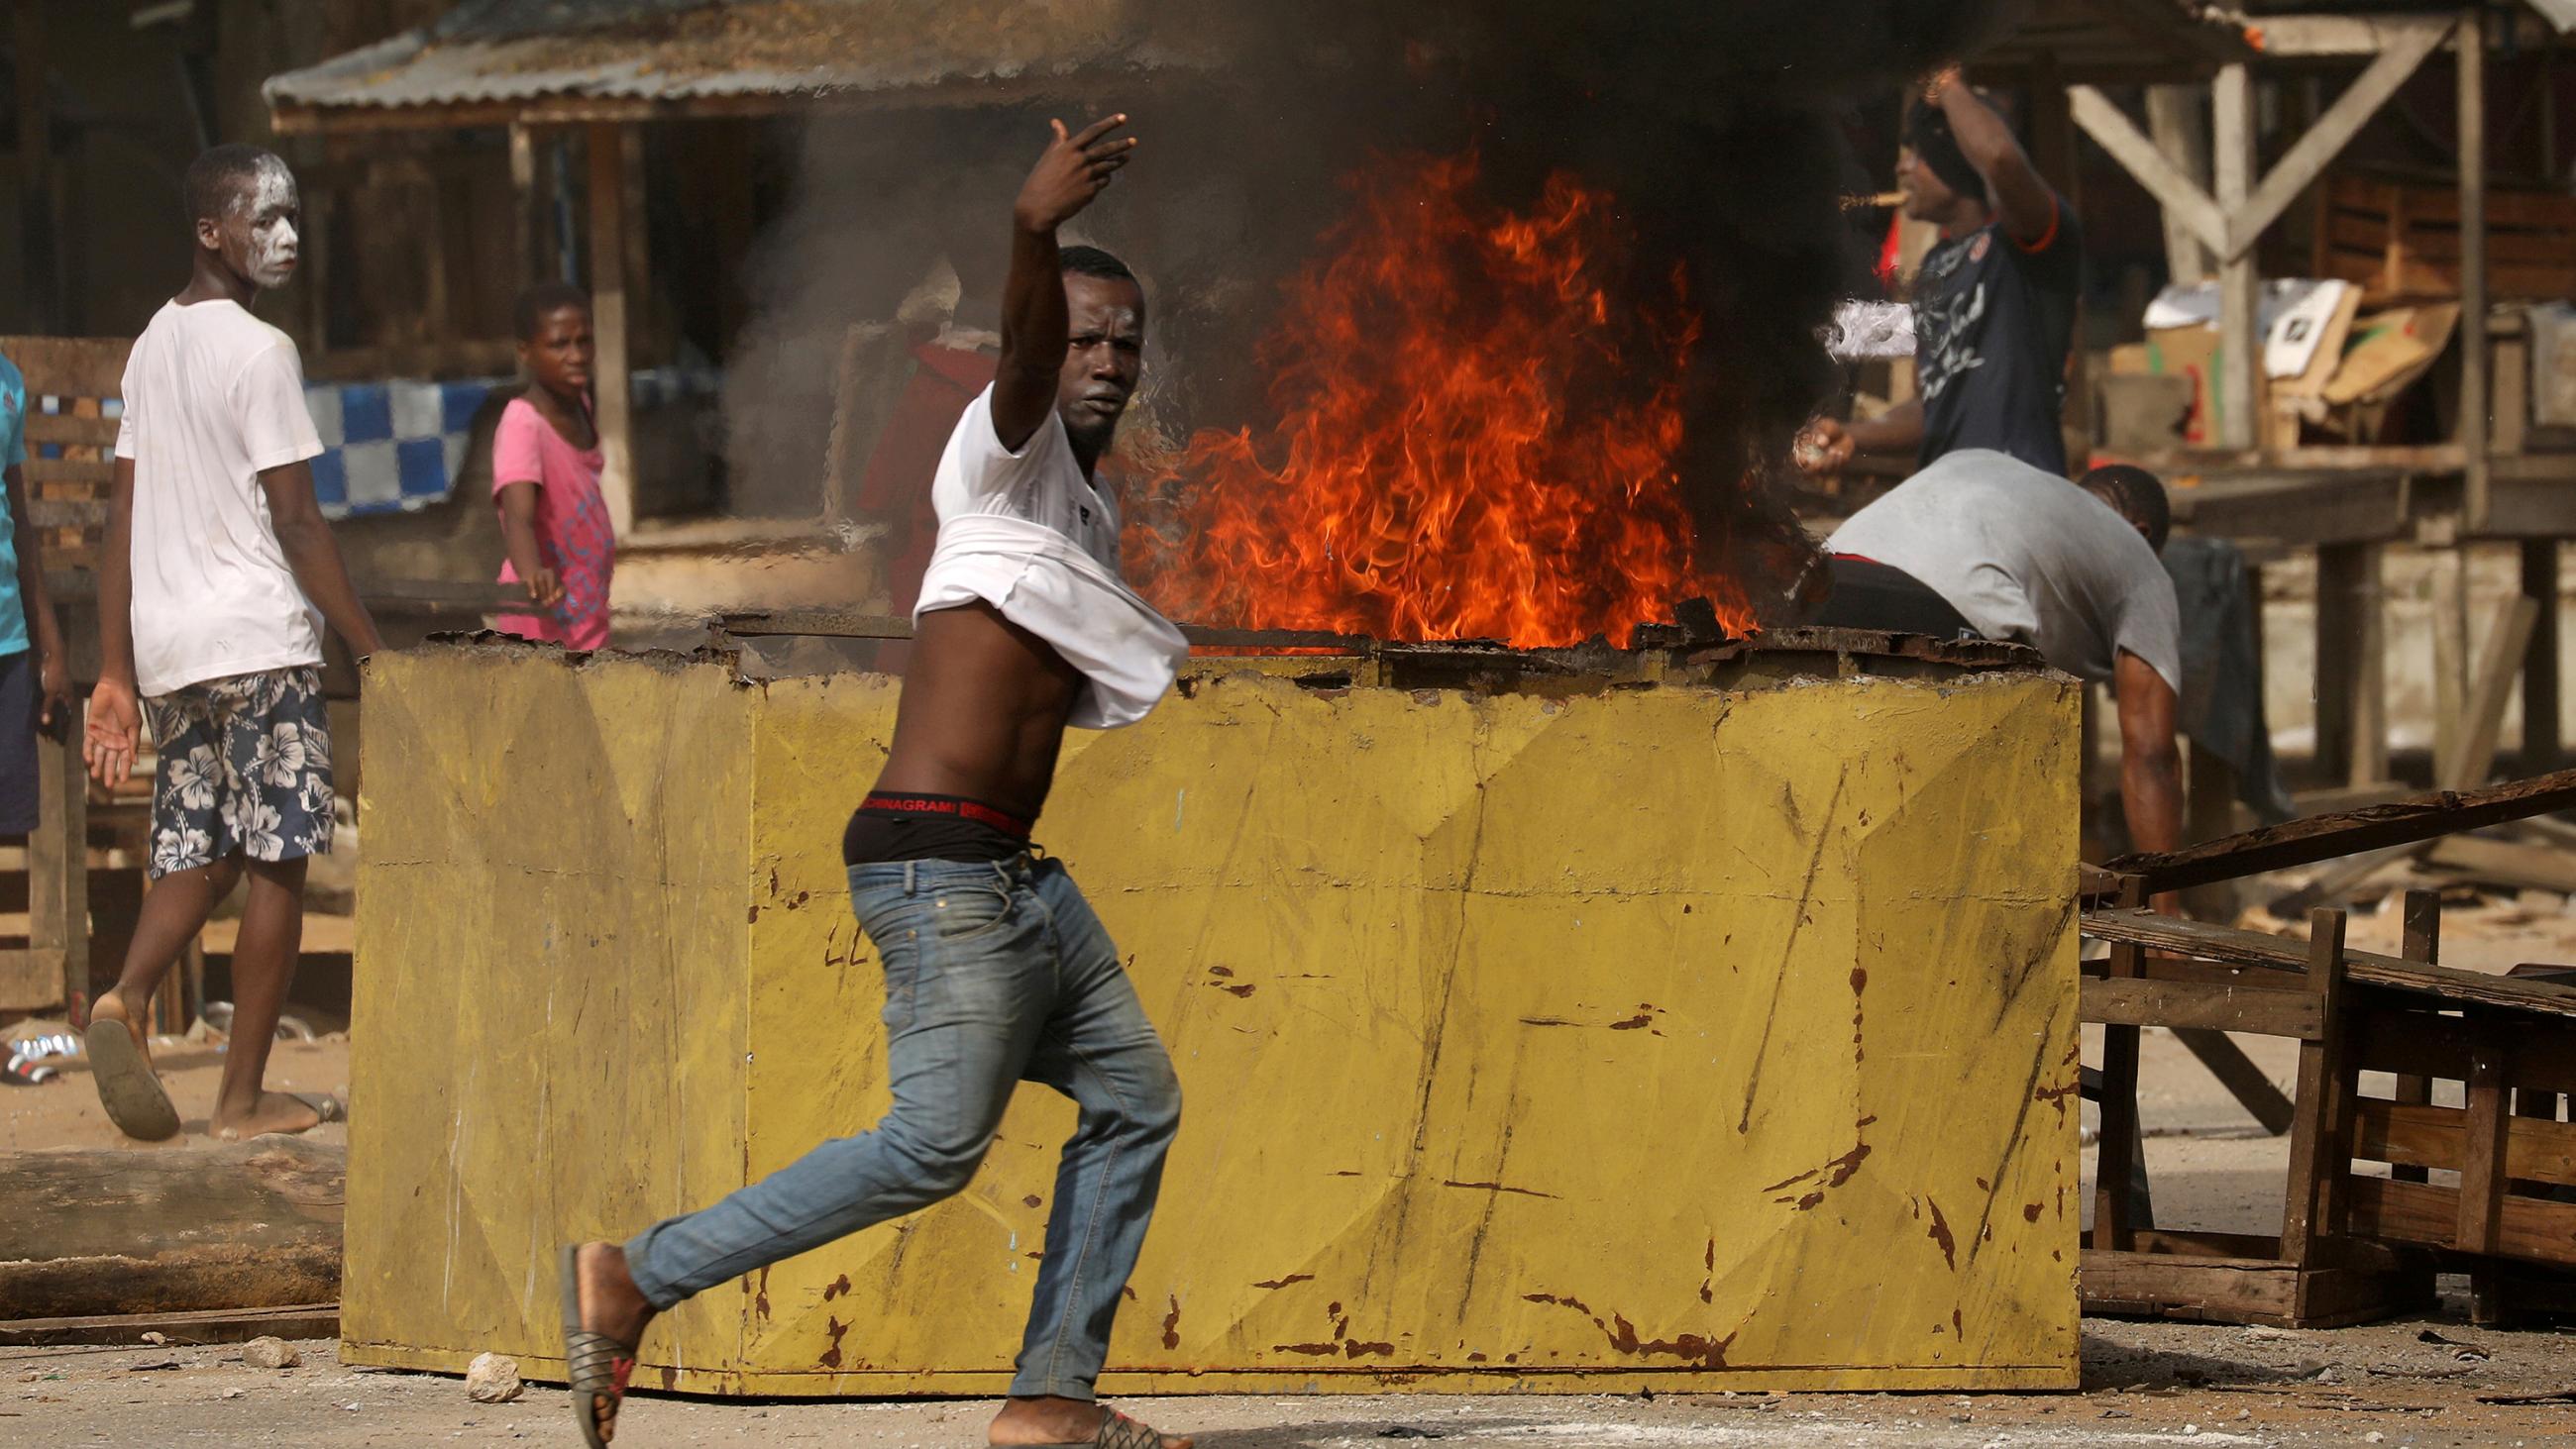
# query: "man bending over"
[[996, 970]]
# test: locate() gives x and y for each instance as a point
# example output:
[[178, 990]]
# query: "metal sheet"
[[1672, 1037]]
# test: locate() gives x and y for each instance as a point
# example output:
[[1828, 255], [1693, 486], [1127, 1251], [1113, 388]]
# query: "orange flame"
[[1475, 435]]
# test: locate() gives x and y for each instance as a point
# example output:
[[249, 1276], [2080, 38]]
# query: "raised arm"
[[1828, 444], [115, 729], [2150, 762], [1074, 169], [2023, 202], [310, 551]]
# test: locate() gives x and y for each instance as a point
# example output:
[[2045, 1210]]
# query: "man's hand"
[[1941, 80], [1074, 169], [54, 684], [1825, 447], [115, 732]]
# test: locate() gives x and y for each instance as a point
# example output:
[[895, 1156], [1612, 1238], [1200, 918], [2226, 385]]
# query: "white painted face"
[[271, 205]]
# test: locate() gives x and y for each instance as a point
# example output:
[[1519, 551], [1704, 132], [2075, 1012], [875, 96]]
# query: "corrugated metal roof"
[[531, 54]]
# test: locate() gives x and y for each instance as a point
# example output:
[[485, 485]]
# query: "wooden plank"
[[31, 978], [2420, 940], [2306, 160], [2535, 1149], [2315, 1144], [2541, 705], [612, 379], [244, 1226], [2183, 202], [67, 512], [2252, 1246], [2453, 987], [2181, 135], [2327, 837], [95, 472], [70, 366], [2538, 1055], [2408, 1212], [58, 861], [2244, 1081], [2471, 162], [2447, 581], [2492, 862], [69, 430], [2244, 1290], [2118, 1161], [2118, 1002], [2489, 691], [2351, 665], [2240, 390], [2481, 1165], [212, 1325]]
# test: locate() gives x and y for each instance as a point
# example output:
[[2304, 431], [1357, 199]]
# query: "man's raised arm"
[[1035, 328]]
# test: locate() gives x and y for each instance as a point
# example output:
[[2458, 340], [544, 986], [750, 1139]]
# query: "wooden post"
[[2471, 53], [2117, 1158], [2317, 1149], [2351, 666], [2181, 133], [2540, 702], [2240, 340], [527, 207], [612, 377], [2447, 577], [2422, 942], [58, 862]]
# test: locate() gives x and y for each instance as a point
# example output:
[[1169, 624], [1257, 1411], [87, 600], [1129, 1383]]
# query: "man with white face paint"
[[216, 579]]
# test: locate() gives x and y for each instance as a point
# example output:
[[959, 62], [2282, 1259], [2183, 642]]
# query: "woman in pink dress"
[[545, 477]]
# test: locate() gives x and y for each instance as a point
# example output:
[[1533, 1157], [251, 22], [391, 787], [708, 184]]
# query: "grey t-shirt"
[[2028, 557]]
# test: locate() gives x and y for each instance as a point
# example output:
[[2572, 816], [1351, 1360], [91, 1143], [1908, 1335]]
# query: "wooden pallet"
[[2401, 239]]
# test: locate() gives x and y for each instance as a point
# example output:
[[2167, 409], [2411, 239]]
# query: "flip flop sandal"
[[1116, 1431], [594, 1363], [126, 1087]]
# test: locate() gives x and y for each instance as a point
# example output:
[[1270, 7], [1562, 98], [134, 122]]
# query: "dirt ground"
[[2417, 1381]]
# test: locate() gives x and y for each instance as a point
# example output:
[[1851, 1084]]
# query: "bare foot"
[[273, 1112], [110, 1006], [611, 1304], [1065, 1421]]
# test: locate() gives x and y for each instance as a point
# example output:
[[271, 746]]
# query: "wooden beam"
[[613, 377], [2118, 1160], [2181, 135], [2316, 1146], [2540, 697], [2243, 1080], [58, 860], [2312, 36], [2183, 201], [2182, 1004], [2456, 988], [2472, 162], [2240, 337], [2306, 160], [2489, 691], [2422, 941], [2482, 1164], [2351, 665], [2329, 837]]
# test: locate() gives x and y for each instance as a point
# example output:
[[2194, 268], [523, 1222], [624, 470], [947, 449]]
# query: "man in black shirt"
[[1994, 303]]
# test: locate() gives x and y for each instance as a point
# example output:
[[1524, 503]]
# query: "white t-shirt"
[[213, 397], [1027, 533], [2026, 556]]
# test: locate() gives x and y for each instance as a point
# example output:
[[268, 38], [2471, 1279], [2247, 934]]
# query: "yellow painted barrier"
[[1680, 1037]]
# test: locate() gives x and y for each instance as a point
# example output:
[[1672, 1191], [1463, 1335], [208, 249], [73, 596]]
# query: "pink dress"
[[573, 533]]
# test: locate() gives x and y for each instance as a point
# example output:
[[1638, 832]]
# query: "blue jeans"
[[995, 974]]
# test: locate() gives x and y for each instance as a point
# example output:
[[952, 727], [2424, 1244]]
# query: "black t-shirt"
[[1993, 320]]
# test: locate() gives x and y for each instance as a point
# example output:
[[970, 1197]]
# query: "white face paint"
[[270, 199]]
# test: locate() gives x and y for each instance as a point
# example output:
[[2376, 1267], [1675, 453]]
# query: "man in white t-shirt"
[[216, 580], [1985, 545], [996, 970]]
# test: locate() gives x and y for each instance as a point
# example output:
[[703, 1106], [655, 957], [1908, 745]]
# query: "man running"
[[996, 970]]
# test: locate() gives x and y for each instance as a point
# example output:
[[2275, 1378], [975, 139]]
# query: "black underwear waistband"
[[889, 828], [883, 803]]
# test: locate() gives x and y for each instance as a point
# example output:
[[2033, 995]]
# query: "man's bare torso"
[[983, 712]]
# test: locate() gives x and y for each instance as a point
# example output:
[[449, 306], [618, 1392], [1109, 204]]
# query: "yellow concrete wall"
[[1668, 1037]]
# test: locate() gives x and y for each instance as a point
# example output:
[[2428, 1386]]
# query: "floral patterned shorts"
[[245, 767]]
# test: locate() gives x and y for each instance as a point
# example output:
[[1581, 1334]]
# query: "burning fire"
[[1476, 435]]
